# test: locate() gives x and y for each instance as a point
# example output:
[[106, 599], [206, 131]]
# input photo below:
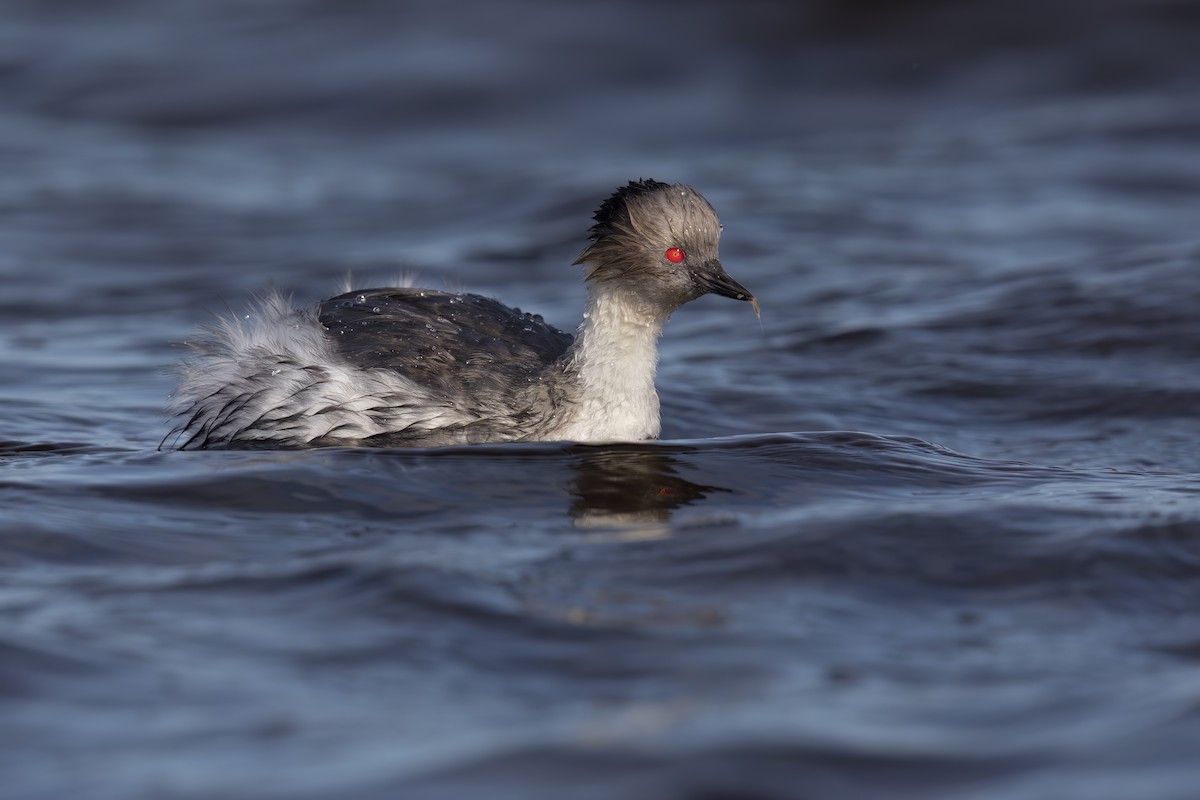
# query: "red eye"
[[674, 255]]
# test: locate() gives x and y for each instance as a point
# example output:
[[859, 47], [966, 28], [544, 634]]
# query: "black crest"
[[614, 212]]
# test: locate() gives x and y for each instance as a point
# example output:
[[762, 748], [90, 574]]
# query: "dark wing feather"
[[462, 344]]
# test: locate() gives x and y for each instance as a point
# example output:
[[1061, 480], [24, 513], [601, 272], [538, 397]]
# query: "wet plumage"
[[406, 366]]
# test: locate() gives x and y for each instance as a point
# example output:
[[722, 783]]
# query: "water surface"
[[931, 530]]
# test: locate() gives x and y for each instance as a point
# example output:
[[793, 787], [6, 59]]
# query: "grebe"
[[415, 367]]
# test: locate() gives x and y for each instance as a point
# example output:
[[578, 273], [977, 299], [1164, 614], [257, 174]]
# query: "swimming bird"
[[417, 367]]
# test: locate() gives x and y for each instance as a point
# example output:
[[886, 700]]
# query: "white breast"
[[615, 357]]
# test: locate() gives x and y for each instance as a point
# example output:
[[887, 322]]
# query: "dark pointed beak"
[[713, 278]]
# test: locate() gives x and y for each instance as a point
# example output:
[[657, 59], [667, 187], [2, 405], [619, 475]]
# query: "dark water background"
[[932, 531]]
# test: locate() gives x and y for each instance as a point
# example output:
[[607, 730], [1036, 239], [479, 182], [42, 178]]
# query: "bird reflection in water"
[[630, 486]]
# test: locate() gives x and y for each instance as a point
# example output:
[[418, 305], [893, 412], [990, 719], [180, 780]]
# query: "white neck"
[[614, 359]]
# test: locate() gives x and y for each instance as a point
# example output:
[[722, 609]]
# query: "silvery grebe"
[[415, 367]]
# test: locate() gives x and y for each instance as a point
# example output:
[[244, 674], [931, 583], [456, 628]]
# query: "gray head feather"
[[639, 222], [636, 233]]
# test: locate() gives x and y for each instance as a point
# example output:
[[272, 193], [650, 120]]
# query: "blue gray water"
[[931, 530]]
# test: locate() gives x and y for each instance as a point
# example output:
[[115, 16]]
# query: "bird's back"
[[472, 349], [380, 366]]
